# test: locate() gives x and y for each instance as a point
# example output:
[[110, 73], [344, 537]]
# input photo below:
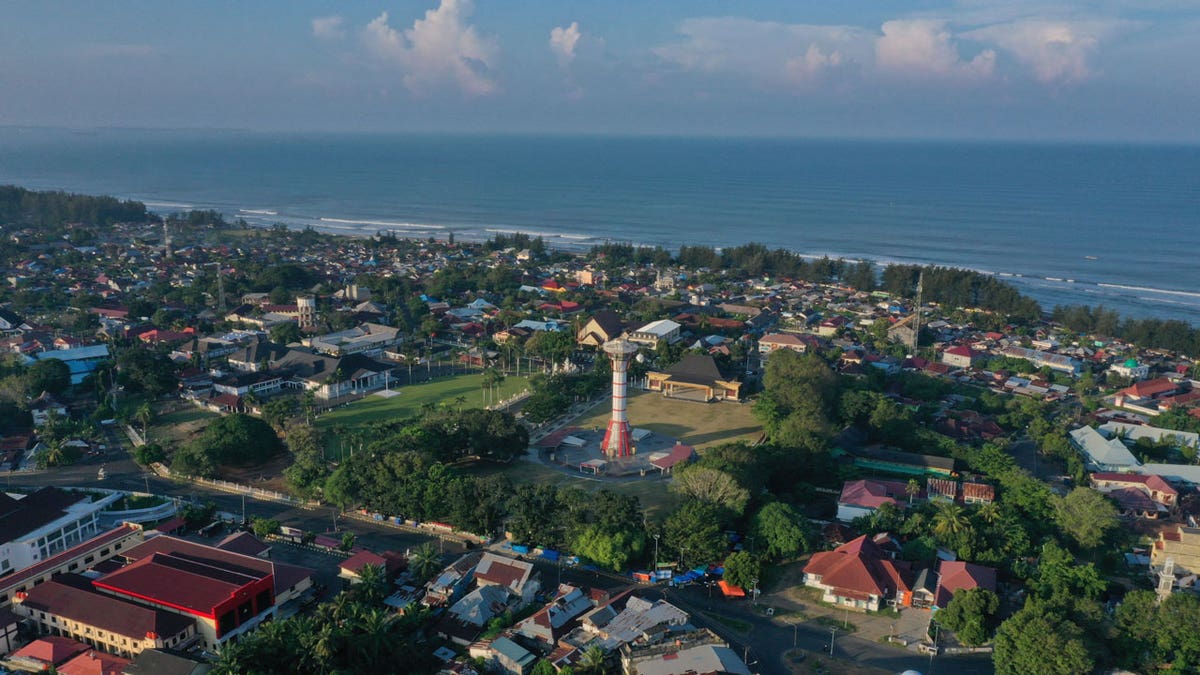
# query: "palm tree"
[[425, 561], [912, 489], [989, 513], [949, 520], [593, 660], [460, 401], [372, 583], [143, 416]]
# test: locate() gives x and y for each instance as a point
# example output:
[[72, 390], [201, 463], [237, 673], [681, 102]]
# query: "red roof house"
[[860, 574], [862, 497], [956, 574], [1155, 388]]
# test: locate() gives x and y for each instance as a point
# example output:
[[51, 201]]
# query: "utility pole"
[[832, 634], [656, 557]]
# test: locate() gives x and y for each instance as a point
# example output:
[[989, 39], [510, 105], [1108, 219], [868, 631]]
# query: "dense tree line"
[[55, 209], [954, 287], [1171, 334]]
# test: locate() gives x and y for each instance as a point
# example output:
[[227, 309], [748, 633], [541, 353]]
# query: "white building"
[[650, 334], [37, 526], [1135, 432], [1100, 453], [367, 338]]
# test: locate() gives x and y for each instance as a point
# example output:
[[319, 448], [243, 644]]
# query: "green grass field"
[[443, 391], [699, 425]]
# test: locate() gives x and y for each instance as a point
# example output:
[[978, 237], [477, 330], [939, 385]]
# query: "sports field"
[[406, 401]]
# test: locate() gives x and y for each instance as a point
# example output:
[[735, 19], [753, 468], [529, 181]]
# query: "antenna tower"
[[916, 338]]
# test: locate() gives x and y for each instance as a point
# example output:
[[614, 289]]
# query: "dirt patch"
[[268, 476]]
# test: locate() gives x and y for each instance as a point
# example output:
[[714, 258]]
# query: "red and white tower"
[[617, 438]]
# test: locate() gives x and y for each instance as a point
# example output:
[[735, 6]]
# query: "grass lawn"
[[699, 425], [410, 399], [179, 425]]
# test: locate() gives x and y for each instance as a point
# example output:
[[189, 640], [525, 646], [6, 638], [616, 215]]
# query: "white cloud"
[[924, 47], [329, 27], [439, 49], [563, 40], [1056, 50], [771, 53]]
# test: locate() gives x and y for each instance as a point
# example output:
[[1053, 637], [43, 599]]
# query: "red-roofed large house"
[[557, 618], [93, 662], [1137, 495], [1156, 388], [860, 575], [960, 356], [862, 497], [390, 562]]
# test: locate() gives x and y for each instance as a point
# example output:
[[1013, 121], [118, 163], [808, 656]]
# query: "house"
[[860, 575], [941, 488], [688, 653], [1101, 454], [666, 462], [627, 618], [1181, 545], [776, 341], [10, 322], [452, 583], [245, 544], [466, 619], [557, 618], [330, 377], [604, 326], [505, 656], [650, 334], [93, 662], [862, 497], [695, 378], [1138, 495], [81, 361], [961, 356], [46, 653], [69, 605], [517, 576], [978, 493], [956, 575], [390, 562]]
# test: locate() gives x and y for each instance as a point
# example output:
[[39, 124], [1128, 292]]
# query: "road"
[[765, 643], [122, 473], [768, 639]]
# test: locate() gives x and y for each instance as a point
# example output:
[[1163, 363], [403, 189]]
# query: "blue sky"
[[1116, 70]]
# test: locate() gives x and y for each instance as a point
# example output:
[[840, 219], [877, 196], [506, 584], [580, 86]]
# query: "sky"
[[1115, 70]]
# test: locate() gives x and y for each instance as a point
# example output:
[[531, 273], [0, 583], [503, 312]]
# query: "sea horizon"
[[1066, 222]]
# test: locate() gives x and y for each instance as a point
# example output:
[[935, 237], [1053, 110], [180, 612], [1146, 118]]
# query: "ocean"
[[1117, 225]]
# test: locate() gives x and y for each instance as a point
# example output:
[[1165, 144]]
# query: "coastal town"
[[237, 449]]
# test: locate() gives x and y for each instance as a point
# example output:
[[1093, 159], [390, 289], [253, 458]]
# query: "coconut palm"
[[989, 513], [949, 520], [425, 561], [912, 489], [372, 584], [593, 660]]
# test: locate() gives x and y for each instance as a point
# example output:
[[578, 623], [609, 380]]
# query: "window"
[[72, 567], [90, 559], [103, 551]]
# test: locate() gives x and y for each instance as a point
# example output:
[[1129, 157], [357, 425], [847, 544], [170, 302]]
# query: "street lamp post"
[[656, 557], [832, 635], [754, 591]]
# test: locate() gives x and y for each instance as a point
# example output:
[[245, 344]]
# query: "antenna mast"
[[916, 338]]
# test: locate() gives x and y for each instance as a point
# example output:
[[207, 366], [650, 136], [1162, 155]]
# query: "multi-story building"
[[69, 606], [44, 523], [226, 594], [78, 558]]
